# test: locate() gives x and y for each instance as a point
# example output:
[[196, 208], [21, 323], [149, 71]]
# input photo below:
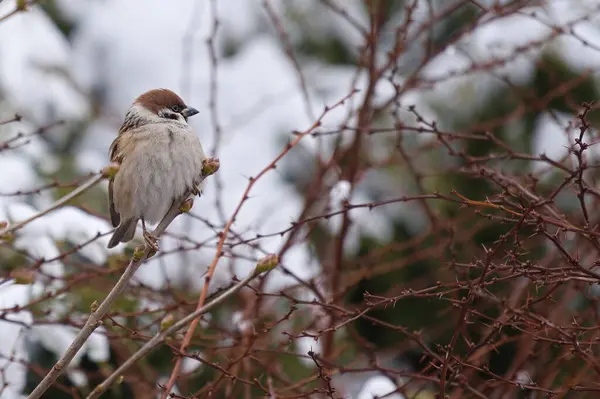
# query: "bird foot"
[[196, 190], [151, 241]]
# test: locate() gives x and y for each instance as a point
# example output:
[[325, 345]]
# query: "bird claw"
[[151, 241], [196, 190]]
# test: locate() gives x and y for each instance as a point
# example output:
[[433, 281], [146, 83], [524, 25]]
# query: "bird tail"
[[124, 232]]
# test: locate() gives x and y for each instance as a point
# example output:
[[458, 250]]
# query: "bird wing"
[[115, 218], [115, 156]]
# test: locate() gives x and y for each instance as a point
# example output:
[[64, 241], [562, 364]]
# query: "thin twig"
[[20, 7], [219, 250], [62, 201], [160, 337]]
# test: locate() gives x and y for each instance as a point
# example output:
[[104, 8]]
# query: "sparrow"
[[160, 160]]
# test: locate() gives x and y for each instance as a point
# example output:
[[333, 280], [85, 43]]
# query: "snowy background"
[[83, 63]]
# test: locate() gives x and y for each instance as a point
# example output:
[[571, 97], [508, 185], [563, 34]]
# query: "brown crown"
[[157, 99]]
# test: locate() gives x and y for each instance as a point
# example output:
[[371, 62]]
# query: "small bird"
[[160, 159]]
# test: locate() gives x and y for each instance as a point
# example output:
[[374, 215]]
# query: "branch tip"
[[210, 166], [110, 171]]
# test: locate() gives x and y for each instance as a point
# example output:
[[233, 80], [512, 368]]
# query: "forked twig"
[[266, 264]]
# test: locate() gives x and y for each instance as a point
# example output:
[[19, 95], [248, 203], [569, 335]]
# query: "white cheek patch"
[[168, 114], [145, 114]]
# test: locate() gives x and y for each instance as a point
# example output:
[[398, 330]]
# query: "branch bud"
[[167, 322], [139, 252], [94, 306], [110, 170], [267, 263], [210, 166], [186, 205]]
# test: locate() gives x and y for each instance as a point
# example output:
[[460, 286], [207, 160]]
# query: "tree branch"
[[268, 263]]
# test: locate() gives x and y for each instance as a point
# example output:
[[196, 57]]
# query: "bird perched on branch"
[[160, 159]]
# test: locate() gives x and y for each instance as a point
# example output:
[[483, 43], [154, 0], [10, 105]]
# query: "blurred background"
[[435, 222]]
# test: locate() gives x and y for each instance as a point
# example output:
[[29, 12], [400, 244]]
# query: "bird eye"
[[176, 108]]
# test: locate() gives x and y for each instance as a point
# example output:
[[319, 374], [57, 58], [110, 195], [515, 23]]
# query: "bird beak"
[[189, 111]]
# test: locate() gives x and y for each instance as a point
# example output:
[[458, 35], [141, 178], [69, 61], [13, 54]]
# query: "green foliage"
[[465, 15], [553, 76], [393, 283], [332, 51], [53, 11]]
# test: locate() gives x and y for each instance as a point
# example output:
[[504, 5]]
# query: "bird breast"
[[163, 161]]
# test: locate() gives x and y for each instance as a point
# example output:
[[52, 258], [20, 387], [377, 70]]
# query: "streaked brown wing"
[[115, 218], [115, 156]]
